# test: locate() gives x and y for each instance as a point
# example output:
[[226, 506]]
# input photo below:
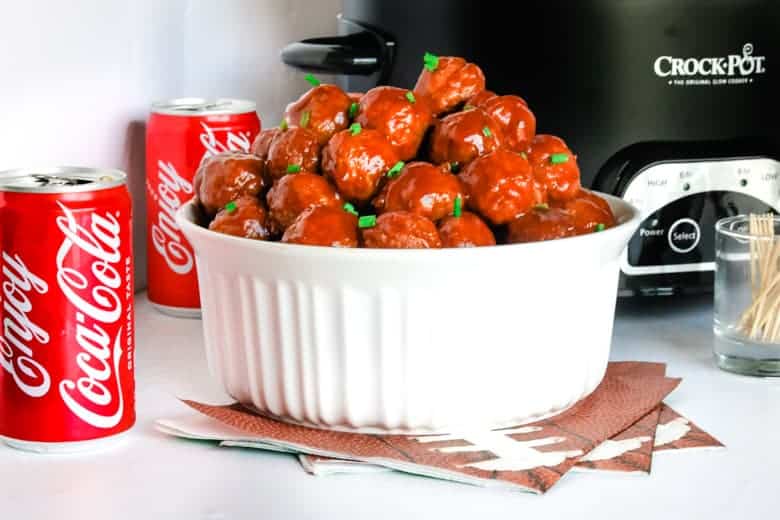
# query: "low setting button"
[[684, 235]]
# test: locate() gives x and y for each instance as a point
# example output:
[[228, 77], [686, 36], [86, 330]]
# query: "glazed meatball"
[[323, 226], [399, 115], [463, 136], [555, 167], [356, 160], [323, 110], [245, 217], [500, 186], [517, 122], [263, 141], [294, 150], [379, 200], [541, 223], [402, 230], [480, 98], [293, 194], [468, 230], [227, 176], [448, 81], [424, 189], [589, 211]]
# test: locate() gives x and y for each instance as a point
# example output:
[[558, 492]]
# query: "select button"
[[684, 235]]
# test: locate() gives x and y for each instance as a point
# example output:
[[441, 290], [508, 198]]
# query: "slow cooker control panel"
[[680, 203]]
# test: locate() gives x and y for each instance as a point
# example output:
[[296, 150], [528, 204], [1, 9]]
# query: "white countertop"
[[152, 476]]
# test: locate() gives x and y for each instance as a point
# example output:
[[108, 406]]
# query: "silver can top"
[[194, 106], [60, 179]]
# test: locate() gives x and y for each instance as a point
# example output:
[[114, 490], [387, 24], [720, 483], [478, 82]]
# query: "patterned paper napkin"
[[676, 433], [628, 452], [531, 457]]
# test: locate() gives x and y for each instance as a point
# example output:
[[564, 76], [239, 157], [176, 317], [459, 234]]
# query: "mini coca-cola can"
[[181, 133], [66, 341]]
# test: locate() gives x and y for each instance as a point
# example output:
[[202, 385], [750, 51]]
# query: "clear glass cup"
[[747, 306]]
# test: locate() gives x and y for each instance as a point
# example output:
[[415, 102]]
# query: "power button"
[[684, 235]]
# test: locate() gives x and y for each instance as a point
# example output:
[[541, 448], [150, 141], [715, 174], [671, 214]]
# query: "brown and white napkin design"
[[676, 433], [532, 457], [630, 451]]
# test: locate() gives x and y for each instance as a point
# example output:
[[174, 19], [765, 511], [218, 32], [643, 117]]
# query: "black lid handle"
[[357, 53]]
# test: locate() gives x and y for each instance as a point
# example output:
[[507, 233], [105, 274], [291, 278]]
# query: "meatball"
[[323, 226], [555, 167], [294, 150], [500, 186], [448, 82], [245, 217], [263, 141], [397, 114], [293, 194], [480, 98], [402, 230], [463, 136], [323, 110], [227, 176], [517, 122], [424, 189], [589, 211], [356, 160], [541, 223], [468, 230]]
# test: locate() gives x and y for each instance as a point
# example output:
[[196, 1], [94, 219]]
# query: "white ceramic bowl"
[[409, 341]]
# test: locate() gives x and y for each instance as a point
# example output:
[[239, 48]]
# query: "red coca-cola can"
[[182, 133], [66, 341]]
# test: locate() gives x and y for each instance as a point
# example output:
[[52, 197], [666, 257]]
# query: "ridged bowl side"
[[407, 342]]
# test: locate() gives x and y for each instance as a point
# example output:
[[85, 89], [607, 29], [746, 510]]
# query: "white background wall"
[[77, 77]]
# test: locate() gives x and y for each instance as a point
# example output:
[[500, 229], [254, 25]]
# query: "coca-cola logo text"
[[17, 356], [166, 235], [88, 396], [231, 143]]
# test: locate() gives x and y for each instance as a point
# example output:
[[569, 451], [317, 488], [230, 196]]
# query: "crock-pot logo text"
[[716, 70]]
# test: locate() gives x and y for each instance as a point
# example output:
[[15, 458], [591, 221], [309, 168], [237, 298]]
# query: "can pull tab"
[[51, 180]]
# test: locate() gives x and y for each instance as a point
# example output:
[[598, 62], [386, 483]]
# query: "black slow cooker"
[[672, 104]]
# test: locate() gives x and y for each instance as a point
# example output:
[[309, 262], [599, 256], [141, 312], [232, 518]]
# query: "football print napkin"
[[531, 457]]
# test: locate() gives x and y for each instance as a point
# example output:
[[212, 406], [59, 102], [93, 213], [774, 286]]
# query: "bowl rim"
[[627, 214]]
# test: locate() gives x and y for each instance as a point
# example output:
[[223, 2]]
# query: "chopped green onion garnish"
[[486, 131], [355, 128], [305, 119], [349, 208], [396, 169], [230, 207], [367, 221], [293, 168], [543, 206], [600, 227], [431, 61], [313, 80], [283, 124], [468, 107], [353, 110], [410, 97], [523, 155], [558, 158], [455, 167], [457, 209]]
